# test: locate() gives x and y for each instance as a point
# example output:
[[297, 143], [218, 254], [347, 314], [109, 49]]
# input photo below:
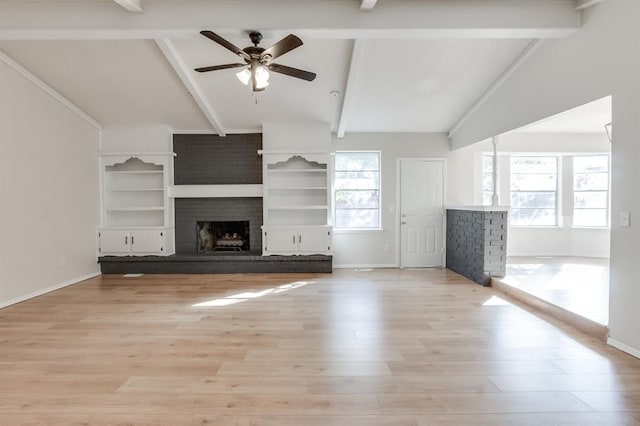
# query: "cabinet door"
[[280, 241], [314, 241], [114, 242], [147, 241]]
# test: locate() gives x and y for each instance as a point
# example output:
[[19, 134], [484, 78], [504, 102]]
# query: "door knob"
[[403, 222]]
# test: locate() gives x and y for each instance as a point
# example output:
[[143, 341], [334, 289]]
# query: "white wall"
[[586, 242], [143, 138], [599, 60], [297, 136], [367, 248], [49, 192]]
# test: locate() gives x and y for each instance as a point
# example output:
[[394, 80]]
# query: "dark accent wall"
[[191, 210], [216, 160], [477, 244]]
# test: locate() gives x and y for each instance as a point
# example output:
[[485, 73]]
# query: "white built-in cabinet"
[[297, 204], [137, 213]]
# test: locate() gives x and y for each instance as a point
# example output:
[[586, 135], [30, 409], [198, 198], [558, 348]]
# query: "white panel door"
[[114, 242], [280, 241], [314, 241], [147, 241], [421, 213]]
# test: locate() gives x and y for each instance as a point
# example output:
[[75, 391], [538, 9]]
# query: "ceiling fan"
[[259, 59]]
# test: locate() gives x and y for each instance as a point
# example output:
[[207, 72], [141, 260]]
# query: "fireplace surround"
[[192, 213], [228, 235]]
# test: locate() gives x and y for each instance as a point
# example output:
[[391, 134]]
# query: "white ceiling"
[[405, 66]]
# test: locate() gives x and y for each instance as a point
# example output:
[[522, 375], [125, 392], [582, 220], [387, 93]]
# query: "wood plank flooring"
[[382, 347]]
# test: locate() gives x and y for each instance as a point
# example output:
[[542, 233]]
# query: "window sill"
[[533, 228], [359, 231], [600, 228]]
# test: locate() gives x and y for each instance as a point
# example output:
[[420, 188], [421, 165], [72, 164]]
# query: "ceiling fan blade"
[[219, 67], [224, 43], [285, 45], [292, 72]]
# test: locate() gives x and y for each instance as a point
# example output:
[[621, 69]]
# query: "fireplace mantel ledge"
[[480, 208], [215, 191]]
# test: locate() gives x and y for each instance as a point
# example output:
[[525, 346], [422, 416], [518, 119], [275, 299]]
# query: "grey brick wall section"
[[477, 244], [192, 210], [231, 264], [216, 160]]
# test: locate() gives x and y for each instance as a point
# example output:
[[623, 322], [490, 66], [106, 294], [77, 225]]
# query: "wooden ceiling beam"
[[367, 5], [312, 18], [348, 98], [131, 5], [584, 4], [186, 76]]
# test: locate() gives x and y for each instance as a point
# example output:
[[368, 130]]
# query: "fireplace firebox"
[[215, 236]]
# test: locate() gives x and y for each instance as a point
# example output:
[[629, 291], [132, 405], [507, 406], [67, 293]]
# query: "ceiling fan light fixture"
[[244, 76], [262, 77], [258, 60]]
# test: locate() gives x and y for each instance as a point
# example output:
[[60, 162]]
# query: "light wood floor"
[[577, 284], [386, 347]]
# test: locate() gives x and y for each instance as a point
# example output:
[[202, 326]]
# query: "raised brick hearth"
[[477, 244]]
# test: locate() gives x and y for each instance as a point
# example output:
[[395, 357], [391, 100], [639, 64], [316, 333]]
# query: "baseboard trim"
[[592, 328], [623, 347], [4, 304], [373, 266]]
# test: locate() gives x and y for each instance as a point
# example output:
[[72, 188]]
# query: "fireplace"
[[243, 216], [213, 236]]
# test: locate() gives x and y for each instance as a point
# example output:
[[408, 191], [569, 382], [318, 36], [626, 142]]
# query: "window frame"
[[557, 191], [485, 173], [378, 227], [574, 191]]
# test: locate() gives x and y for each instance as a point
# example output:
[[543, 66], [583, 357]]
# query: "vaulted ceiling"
[[382, 66]]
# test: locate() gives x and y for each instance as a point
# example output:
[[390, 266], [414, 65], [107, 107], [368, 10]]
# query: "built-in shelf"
[[136, 212], [135, 189], [135, 172], [296, 207], [323, 207], [297, 188], [136, 209], [276, 171]]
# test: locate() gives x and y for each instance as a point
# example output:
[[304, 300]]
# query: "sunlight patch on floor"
[[250, 295], [496, 301]]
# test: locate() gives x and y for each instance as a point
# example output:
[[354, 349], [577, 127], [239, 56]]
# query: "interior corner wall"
[[601, 59], [142, 138], [379, 248], [49, 192]]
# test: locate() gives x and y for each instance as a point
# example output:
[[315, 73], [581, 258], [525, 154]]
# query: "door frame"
[[399, 161]]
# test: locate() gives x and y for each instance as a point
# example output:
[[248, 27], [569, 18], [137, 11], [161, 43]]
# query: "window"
[[487, 179], [591, 190], [534, 183], [357, 190]]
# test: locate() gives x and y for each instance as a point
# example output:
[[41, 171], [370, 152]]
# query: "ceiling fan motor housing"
[[256, 37]]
